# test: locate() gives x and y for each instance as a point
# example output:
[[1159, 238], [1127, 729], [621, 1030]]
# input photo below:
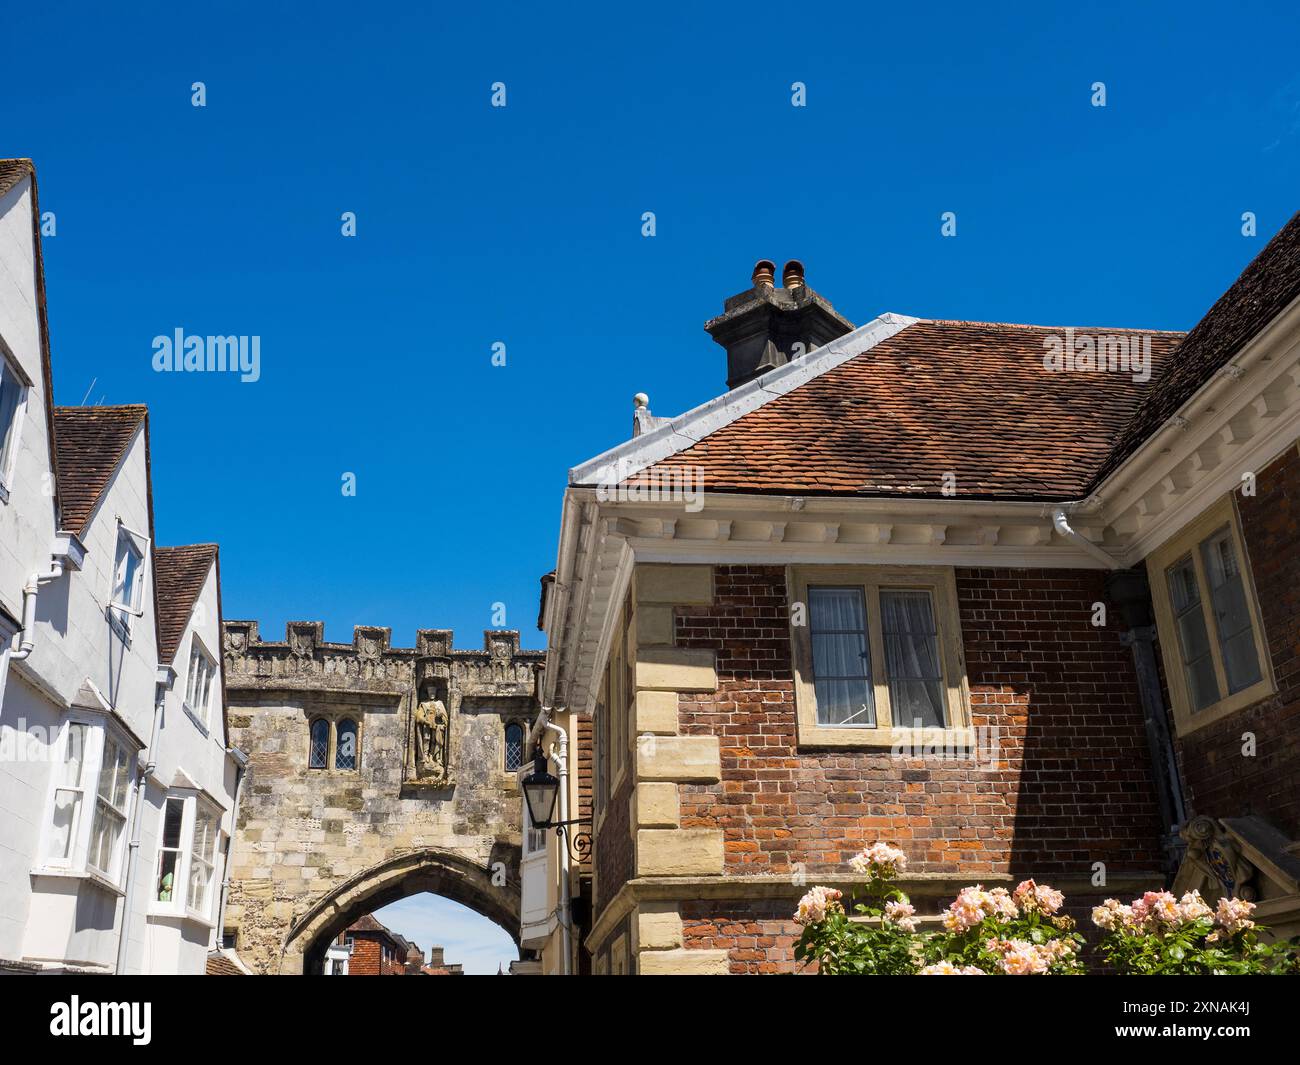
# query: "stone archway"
[[347, 804], [483, 890]]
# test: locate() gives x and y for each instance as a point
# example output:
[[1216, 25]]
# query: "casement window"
[[198, 689], [203, 858], [169, 851], [1211, 639], [90, 801], [13, 392], [188, 849], [514, 744], [127, 600], [878, 656]]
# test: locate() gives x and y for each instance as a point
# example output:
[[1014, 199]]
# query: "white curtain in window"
[[912, 659], [841, 662]]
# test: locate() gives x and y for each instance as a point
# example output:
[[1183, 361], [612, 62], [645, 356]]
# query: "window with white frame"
[[169, 850], [110, 807], [877, 654], [198, 691], [189, 844], [127, 601], [13, 389], [1211, 637], [203, 857], [91, 792]]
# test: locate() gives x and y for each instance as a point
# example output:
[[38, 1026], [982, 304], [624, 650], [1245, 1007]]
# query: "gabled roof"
[[1268, 285], [178, 577], [90, 443], [917, 403], [12, 171]]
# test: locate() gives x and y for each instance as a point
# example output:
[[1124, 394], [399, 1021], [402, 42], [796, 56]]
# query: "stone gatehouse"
[[375, 773]]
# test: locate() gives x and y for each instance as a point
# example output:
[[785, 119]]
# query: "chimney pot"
[[765, 327]]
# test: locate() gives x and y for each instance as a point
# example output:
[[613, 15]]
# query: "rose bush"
[[1161, 935]]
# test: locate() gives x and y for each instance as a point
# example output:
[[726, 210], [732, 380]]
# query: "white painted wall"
[[62, 919]]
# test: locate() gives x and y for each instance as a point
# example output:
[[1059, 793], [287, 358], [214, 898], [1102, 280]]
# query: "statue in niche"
[[431, 725]]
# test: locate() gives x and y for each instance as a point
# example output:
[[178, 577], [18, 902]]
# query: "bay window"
[[188, 850], [1211, 639], [91, 791], [878, 656]]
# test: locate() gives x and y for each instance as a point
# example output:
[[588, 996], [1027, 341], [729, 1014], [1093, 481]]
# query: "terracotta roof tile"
[[90, 443], [1269, 284], [970, 398], [178, 575], [220, 965]]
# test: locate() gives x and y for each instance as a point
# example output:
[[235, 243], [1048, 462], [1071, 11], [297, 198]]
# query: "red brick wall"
[[613, 845], [367, 958], [1220, 780], [1074, 787]]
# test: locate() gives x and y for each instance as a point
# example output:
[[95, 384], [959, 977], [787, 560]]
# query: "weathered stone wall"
[[317, 847]]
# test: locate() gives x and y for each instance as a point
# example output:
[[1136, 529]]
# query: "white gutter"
[[1062, 526], [166, 677], [560, 753], [66, 553], [241, 771]]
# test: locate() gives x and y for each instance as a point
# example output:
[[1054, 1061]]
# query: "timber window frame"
[[14, 390], [1187, 550], [189, 850], [938, 586], [86, 834]]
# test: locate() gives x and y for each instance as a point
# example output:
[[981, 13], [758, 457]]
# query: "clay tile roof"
[[970, 398], [13, 171], [1268, 285], [220, 965], [178, 576], [90, 443]]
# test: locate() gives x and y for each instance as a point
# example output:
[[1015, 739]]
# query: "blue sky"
[[522, 225], [466, 938]]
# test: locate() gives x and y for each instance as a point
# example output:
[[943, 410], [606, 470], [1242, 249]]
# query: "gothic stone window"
[[333, 741], [345, 755], [514, 746], [320, 744]]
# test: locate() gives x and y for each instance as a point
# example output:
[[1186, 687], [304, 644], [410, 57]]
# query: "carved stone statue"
[[431, 724]]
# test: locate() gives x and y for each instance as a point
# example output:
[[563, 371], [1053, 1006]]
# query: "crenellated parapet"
[[304, 659]]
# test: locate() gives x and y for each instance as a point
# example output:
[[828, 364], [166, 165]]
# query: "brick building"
[[1023, 600], [367, 947]]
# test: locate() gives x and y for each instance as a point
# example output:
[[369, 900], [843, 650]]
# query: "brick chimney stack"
[[765, 327]]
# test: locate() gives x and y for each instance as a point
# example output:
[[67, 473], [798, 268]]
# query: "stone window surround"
[[1187, 541], [941, 582], [356, 715]]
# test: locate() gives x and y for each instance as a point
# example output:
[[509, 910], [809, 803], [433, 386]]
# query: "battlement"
[[304, 658]]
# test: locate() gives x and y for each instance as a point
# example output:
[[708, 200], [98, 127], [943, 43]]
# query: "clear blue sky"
[[523, 225]]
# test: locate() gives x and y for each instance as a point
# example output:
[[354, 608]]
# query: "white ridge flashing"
[[686, 430]]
